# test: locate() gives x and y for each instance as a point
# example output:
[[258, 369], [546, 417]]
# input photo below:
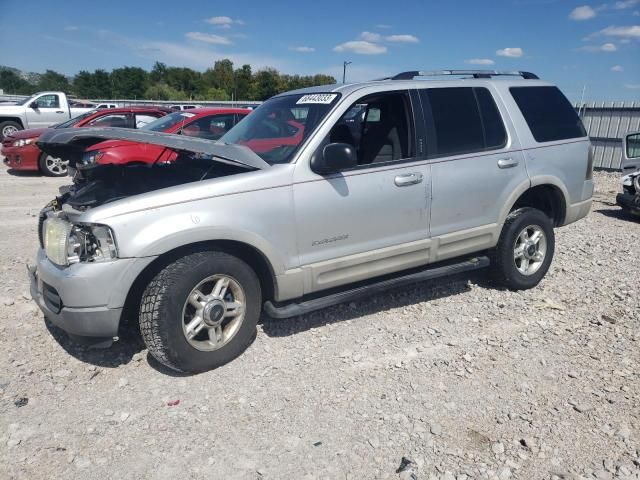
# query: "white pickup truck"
[[40, 110]]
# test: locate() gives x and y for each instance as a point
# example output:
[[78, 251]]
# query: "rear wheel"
[[200, 311], [525, 249], [8, 128], [52, 166]]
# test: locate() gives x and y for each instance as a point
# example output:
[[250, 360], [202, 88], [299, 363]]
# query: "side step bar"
[[294, 309]]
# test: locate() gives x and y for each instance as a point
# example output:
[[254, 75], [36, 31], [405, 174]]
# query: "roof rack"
[[475, 73]]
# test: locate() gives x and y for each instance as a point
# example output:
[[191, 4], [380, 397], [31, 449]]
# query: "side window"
[[114, 120], [48, 101], [379, 127], [461, 120], [211, 127], [548, 113], [143, 119]]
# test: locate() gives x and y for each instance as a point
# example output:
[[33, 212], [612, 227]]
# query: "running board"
[[294, 309]]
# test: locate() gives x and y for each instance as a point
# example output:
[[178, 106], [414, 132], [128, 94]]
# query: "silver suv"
[[319, 196]]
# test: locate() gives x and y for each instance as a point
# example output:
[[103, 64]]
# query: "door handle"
[[407, 179], [507, 163], [59, 111]]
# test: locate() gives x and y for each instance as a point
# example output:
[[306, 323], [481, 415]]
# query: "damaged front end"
[[629, 199], [197, 160]]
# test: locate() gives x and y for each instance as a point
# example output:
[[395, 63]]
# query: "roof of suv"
[[478, 77]]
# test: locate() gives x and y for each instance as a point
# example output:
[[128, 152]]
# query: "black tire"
[[505, 271], [161, 311], [45, 170], [6, 124]]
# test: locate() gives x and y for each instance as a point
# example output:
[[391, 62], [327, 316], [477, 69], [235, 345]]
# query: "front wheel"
[[52, 166], [200, 311], [525, 249]]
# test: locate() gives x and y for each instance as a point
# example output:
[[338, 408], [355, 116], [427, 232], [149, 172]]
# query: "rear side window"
[[461, 120], [548, 113]]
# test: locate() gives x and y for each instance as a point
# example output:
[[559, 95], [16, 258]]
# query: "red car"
[[209, 123], [22, 153]]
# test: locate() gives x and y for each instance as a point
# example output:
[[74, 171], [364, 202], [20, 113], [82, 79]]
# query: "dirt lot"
[[462, 380]]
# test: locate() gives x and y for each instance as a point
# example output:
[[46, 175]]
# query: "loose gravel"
[[448, 380]]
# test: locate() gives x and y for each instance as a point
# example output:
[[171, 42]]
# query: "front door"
[[46, 111], [373, 219]]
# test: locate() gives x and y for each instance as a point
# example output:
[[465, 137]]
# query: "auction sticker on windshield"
[[321, 98]]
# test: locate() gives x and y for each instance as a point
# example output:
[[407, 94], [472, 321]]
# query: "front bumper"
[[629, 202], [21, 158], [84, 299]]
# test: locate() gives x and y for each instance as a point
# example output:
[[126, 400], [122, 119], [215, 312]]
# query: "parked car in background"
[[189, 106], [40, 110], [22, 153], [107, 105], [207, 123], [629, 198], [447, 176]]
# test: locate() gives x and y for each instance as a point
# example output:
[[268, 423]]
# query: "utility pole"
[[344, 70]]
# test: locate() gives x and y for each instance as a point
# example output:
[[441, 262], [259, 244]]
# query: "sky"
[[576, 45]]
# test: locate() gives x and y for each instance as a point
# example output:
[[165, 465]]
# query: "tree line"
[[221, 82]]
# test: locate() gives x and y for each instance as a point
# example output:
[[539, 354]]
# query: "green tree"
[[52, 80], [102, 83], [129, 82], [266, 83], [158, 73], [242, 80], [162, 91], [221, 76], [13, 83], [84, 85]]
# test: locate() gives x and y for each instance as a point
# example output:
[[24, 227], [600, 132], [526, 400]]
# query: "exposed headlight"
[[65, 243], [89, 159], [23, 142]]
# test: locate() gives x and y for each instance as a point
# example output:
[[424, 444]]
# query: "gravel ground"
[[446, 380]]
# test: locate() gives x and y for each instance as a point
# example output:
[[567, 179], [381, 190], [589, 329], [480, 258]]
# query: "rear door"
[[47, 111], [476, 166]]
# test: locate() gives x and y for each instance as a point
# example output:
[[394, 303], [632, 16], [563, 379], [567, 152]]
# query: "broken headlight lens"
[[65, 243], [89, 159]]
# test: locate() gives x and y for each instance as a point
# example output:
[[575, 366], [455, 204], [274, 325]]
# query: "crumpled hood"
[[70, 143], [30, 133]]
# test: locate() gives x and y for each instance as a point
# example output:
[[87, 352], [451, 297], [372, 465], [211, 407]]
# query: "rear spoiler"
[[70, 144]]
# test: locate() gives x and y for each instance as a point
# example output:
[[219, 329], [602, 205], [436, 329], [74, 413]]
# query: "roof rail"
[[475, 73]]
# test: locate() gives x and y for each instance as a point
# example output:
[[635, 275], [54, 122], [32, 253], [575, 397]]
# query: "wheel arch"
[[256, 259], [18, 120], [545, 194]]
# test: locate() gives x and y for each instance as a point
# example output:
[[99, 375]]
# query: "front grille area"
[[51, 298]]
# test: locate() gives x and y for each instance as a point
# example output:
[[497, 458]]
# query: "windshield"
[[168, 121], [27, 100], [75, 120], [277, 128]]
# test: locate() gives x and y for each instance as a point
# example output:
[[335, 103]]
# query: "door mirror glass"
[[334, 157], [34, 105], [632, 146]]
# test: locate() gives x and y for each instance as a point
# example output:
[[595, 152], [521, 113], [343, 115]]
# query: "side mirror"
[[34, 105], [334, 157], [631, 152]]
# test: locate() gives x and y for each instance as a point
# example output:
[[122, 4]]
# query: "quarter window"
[[548, 113], [461, 120]]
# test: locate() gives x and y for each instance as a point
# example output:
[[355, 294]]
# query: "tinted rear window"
[[462, 120], [548, 113]]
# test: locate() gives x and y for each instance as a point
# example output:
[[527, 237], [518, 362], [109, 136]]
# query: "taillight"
[[589, 175]]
